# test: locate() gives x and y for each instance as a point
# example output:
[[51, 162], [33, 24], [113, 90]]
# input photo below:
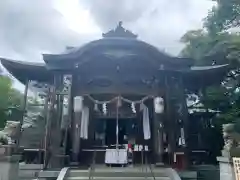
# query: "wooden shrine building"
[[113, 91]]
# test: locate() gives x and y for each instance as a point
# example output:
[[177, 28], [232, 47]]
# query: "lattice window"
[[236, 164]]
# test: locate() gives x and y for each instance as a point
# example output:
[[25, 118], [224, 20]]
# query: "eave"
[[24, 71]]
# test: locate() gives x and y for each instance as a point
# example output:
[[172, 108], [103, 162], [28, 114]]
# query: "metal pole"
[[23, 109], [46, 142], [117, 126]]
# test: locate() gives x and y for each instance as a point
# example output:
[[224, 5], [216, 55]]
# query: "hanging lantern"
[[141, 106], [183, 143], [158, 105], [119, 102], [78, 103], [65, 110], [96, 107], [104, 107], [133, 107]]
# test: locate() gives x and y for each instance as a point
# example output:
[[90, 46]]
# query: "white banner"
[[146, 125], [84, 123]]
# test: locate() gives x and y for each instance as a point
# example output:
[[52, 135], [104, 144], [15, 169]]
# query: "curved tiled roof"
[[23, 71]]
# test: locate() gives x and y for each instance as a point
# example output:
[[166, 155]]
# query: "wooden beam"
[[185, 121], [170, 122], [47, 129], [23, 111]]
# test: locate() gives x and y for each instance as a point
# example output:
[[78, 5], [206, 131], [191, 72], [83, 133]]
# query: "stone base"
[[8, 150], [226, 168], [234, 152], [159, 164], [9, 167], [58, 161], [75, 164]]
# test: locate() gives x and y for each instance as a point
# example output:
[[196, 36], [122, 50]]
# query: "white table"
[[116, 156]]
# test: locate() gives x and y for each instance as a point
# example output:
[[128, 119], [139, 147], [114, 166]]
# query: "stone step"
[[124, 174], [29, 171], [121, 169], [129, 173], [119, 174], [118, 178], [113, 172], [188, 175]]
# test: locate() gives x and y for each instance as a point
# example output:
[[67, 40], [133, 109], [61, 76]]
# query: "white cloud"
[[159, 22], [77, 18], [31, 27]]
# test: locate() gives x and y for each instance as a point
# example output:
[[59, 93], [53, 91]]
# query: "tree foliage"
[[9, 97], [196, 44], [205, 49], [5, 88], [215, 43], [225, 15]]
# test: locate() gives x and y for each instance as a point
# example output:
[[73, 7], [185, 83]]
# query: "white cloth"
[[146, 125], [183, 143], [116, 156], [64, 123], [84, 123]]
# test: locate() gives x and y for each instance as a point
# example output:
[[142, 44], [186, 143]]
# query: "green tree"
[[196, 44], [216, 44], [5, 88], [9, 97], [225, 15], [203, 48], [220, 49]]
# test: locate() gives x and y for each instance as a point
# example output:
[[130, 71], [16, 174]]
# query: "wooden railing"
[[63, 173], [146, 165], [236, 165], [92, 166]]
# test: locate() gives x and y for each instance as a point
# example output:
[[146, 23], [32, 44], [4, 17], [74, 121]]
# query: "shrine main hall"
[[116, 94]]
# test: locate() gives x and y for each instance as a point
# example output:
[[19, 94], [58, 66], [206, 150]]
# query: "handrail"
[[143, 163], [92, 166], [147, 165], [150, 167], [47, 157], [63, 173], [142, 159]]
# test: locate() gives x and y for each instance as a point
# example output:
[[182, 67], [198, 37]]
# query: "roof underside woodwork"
[[117, 63], [128, 77], [23, 71], [115, 49]]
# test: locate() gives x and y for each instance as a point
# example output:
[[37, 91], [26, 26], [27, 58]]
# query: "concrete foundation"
[[9, 166], [226, 168], [9, 163]]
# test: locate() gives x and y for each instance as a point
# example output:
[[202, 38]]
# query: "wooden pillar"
[[57, 156], [158, 139], [67, 125], [23, 110], [48, 152], [185, 121], [170, 121], [47, 129], [75, 128], [158, 131]]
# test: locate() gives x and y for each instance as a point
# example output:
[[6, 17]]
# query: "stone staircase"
[[128, 173], [33, 136], [29, 171]]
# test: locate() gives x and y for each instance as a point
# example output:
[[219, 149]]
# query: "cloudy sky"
[[31, 27]]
